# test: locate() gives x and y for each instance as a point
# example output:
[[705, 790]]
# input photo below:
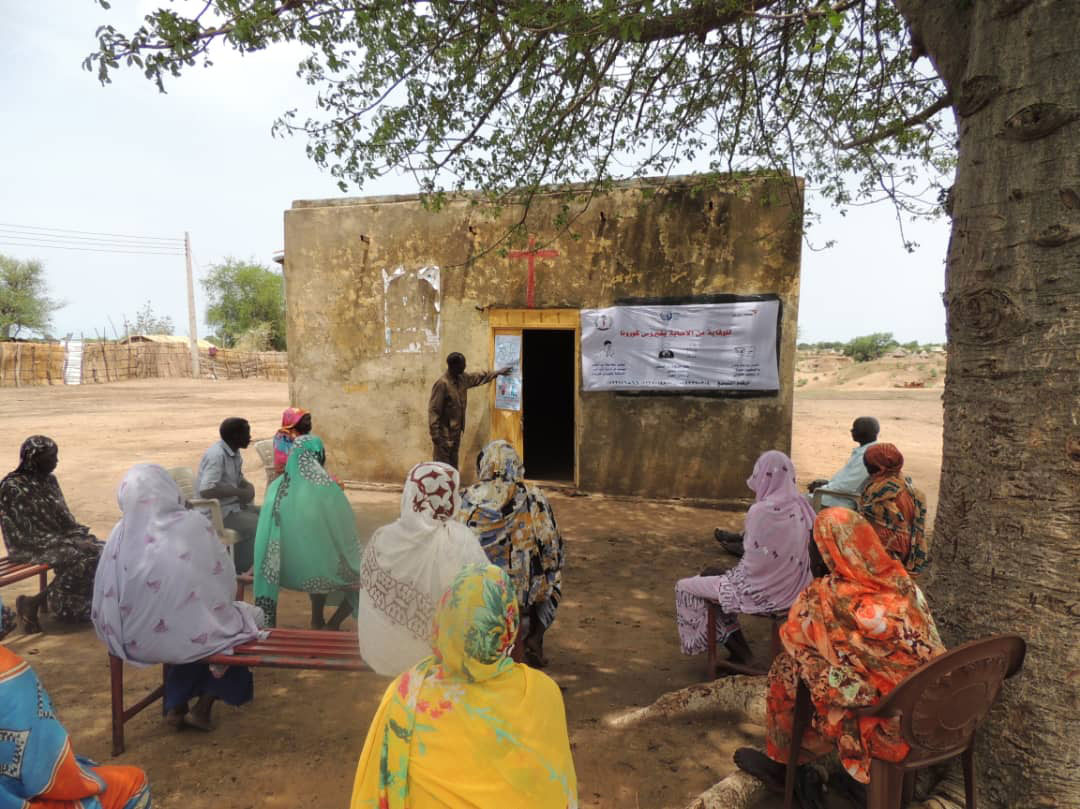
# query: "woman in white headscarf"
[[407, 567], [164, 593]]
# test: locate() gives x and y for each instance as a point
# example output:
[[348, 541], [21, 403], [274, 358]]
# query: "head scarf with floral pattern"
[[490, 732], [895, 507], [853, 636]]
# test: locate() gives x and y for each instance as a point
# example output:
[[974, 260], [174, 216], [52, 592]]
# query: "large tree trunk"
[[1007, 536]]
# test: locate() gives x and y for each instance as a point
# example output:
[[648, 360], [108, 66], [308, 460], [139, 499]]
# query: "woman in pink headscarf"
[[295, 422], [774, 569]]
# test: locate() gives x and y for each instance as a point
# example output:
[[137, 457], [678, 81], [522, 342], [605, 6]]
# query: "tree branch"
[[899, 126]]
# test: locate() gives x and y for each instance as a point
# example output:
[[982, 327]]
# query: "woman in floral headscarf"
[[295, 422], [774, 569], [852, 636], [517, 530], [39, 528], [468, 726], [407, 567], [897, 510], [307, 538]]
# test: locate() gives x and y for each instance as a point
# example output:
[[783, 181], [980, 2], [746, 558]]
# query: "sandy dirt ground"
[[613, 645]]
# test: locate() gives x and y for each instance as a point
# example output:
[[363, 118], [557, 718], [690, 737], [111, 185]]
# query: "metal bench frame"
[[12, 572], [282, 649]]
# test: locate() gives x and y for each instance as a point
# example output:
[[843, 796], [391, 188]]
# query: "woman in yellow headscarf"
[[468, 726]]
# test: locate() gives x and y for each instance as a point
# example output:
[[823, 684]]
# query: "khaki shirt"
[[448, 402]]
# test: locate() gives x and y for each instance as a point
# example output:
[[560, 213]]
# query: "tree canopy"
[[148, 322], [25, 304], [506, 95], [869, 346], [243, 296]]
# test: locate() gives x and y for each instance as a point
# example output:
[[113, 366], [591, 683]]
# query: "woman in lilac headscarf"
[[772, 572], [164, 593]]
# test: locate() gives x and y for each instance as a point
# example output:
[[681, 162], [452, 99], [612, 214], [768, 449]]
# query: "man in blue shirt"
[[853, 475], [221, 477], [849, 480]]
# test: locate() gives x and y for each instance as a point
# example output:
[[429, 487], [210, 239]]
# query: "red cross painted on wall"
[[532, 254]]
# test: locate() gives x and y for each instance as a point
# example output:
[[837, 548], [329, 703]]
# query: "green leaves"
[[246, 301], [506, 95], [25, 304]]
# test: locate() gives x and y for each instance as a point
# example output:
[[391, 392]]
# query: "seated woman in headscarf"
[[852, 636], [408, 565], [43, 771], [164, 594], [295, 422], [774, 568], [897, 510], [467, 726], [307, 538], [39, 528], [518, 532]]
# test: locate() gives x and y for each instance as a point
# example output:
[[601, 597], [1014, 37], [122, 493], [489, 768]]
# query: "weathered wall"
[[367, 379]]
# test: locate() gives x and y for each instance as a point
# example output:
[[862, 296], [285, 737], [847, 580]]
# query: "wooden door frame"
[[552, 319]]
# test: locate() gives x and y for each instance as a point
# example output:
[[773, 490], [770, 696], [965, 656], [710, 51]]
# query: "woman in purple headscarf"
[[774, 569]]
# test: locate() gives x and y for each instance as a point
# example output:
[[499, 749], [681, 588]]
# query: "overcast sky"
[[125, 159]]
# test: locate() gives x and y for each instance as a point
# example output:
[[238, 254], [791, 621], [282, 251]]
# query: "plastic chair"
[[265, 450], [817, 493], [185, 480], [939, 706]]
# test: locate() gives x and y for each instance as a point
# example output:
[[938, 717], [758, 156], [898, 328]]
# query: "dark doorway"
[[548, 362]]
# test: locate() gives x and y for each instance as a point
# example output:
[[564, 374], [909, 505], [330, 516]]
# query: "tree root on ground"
[[740, 790], [739, 694], [947, 794], [736, 790], [745, 695]]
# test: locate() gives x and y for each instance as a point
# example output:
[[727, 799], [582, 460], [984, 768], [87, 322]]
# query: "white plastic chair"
[[265, 450], [185, 481]]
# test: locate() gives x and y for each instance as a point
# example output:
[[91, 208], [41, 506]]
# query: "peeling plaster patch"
[[411, 309]]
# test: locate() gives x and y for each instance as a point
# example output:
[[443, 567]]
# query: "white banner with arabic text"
[[693, 347]]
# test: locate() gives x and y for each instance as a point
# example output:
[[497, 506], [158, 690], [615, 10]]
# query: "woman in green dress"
[[307, 537]]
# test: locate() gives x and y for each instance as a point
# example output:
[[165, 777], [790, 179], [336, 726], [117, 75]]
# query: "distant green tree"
[[242, 295], [869, 346], [147, 322], [24, 300]]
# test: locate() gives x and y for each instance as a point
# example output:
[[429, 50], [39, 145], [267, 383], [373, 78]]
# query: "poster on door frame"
[[508, 355], [685, 348]]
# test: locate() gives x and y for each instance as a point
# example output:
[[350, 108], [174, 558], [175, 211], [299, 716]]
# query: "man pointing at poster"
[[447, 405]]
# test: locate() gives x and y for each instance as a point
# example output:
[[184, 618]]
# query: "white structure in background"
[[73, 362]]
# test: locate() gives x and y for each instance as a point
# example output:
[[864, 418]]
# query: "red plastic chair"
[[939, 706]]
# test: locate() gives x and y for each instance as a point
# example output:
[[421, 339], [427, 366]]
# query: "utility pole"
[[194, 339]]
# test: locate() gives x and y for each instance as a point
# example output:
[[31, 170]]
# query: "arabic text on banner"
[[695, 347]]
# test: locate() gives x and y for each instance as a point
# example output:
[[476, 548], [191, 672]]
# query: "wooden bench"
[[282, 649], [11, 572]]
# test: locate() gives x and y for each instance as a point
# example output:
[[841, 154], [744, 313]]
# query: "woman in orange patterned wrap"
[[851, 636]]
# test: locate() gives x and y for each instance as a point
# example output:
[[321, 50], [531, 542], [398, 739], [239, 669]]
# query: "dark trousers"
[[190, 680], [446, 453], [244, 522]]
